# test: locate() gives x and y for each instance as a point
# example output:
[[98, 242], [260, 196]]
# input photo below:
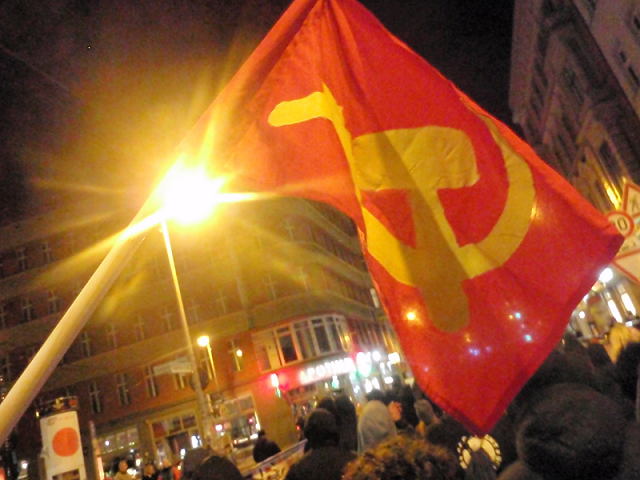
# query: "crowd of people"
[[576, 418]]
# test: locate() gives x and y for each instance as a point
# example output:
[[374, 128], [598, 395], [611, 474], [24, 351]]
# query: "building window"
[[270, 286], [27, 309], [112, 335], [305, 340], [167, 319], [301, 340], [94, 395], [628, 68], [85, 344], [610, 162], [287, 347], [138, 328], [5, 367], [180, 381], [573, 84], [3, 316], [123, 389], [53, 301], [237, 359], [193, 311], [221, 302], [290, 226], [150, 382], [302, 278], [156, 271], [21, 256], [47, 253]]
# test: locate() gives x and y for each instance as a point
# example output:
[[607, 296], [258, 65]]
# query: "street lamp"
[[201, 399], [189, 196], [203, 341]]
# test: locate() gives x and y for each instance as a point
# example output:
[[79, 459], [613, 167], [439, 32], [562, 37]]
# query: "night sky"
[[108, 88]]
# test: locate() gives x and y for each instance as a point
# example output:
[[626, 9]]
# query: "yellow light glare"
[[190, 195], [411, 316], [239, 352], [203, 341]]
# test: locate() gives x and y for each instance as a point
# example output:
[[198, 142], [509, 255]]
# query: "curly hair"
[[403, 458]]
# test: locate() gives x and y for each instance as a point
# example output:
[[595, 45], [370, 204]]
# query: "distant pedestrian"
[[264, 448], [149, 472], [122, 473], [325, 459], [166, 473], [347, 423]]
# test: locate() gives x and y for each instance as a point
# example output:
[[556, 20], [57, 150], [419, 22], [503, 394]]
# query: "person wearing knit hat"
[[325, 460]]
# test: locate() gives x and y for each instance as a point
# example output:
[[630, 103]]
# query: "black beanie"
[[574, 433], [321, 429]]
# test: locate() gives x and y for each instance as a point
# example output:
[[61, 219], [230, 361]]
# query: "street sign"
[[180, 365], [622, 221], [629, 264], [631, 200]]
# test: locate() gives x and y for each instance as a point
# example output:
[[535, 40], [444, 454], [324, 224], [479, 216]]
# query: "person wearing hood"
[[375, 423], [325, 460]]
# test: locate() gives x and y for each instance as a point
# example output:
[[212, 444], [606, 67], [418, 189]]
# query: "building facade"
[[279, 287], [575, 77]]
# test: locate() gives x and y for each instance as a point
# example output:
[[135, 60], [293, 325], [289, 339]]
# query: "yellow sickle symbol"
[[423, 160]]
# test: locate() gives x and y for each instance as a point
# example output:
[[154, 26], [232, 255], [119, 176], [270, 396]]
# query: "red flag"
[[479, 251]]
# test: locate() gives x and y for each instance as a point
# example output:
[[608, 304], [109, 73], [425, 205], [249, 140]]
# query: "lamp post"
[[201, 399], [203, 341], [190, 197]]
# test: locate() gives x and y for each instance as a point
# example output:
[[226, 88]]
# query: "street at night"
[[319, 239]]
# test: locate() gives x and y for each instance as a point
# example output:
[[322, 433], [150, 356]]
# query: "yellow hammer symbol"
[[424, 160]]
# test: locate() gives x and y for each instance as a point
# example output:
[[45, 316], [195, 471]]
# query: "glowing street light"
[[189, 196], [203, 341]]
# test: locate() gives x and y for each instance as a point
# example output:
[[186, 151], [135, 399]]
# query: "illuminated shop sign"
[[327, 370]]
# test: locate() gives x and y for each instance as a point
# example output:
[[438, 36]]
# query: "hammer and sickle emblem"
[[423, 160]]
